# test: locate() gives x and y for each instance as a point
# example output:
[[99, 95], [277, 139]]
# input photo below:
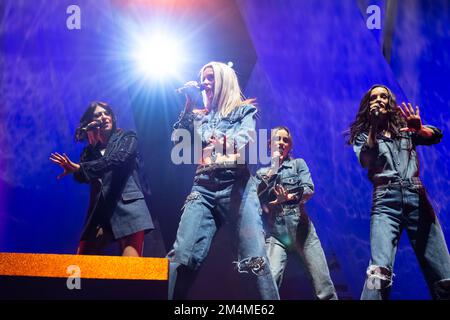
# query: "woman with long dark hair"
[[109, 164], [384, 137]]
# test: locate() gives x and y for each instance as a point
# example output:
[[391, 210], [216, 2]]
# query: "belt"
[[288, 211], [217, 166], [388, 182]]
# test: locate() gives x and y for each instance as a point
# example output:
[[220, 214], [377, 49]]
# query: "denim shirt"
[[238, 126], [393, 160], [293, 175]]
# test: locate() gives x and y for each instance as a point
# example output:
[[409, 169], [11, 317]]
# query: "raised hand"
[[282, 195], [413, 120], [64, 162]]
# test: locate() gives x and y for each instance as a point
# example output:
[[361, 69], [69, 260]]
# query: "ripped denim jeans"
[[394, 209], [295, 233], [218, 197]]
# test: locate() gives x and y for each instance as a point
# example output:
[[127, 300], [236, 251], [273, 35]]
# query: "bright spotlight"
[[158, 56]]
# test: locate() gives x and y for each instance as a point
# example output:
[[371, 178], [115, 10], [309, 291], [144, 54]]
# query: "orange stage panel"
[[94, 267]]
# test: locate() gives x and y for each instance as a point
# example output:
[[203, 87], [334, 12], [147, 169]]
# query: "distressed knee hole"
[[257, 265], [442, 289], [194, 195], [379, 277], [170, 255]]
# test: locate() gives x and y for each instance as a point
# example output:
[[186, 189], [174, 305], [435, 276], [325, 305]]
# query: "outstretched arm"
[[64, 162], [126, 151], [425, 135]]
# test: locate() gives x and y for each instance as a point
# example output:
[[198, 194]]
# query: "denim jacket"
[[393, 160], [294, 176], [238, 126]]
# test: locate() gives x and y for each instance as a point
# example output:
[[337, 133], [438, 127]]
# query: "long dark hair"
[[88, 116], [362, 121]]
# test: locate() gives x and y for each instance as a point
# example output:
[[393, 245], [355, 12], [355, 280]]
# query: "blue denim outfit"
[[289, 227], [221, 194], [238, 127], [400, 202]]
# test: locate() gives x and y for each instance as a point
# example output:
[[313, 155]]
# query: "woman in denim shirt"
[[223, 191], [384, 137], [283, 190]]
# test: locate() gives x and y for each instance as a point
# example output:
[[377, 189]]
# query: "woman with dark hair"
[[88, 122], [384, 138], [283, 190], [223, 191], [370, 109], [109, 163]]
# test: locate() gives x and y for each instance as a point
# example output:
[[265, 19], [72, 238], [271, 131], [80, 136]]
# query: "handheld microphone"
[[185, 88], [276, 159], [92, 125], [277, 154], [81, 132], [375, 112]]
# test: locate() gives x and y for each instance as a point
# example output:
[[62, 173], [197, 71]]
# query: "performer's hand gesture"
[[413, 121], [282, 195], [64, 162]]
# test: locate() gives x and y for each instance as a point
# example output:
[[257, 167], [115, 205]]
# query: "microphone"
[[277, 154], [185, 88], [276, 159], [375, 112], [92, 125], [81, 132]]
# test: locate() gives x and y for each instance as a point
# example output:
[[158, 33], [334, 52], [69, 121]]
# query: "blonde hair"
[[227, 93]]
